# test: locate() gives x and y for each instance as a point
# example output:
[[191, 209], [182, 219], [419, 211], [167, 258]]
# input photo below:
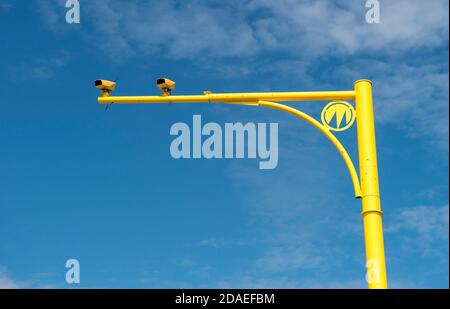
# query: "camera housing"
[[105, 86], [166, 85]]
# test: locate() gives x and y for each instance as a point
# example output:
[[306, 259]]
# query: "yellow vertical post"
[[371, 209]]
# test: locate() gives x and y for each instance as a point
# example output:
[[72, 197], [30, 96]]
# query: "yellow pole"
[[371, 209]]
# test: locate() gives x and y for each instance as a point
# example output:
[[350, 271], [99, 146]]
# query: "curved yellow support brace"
[[326, 132], [258, 99]]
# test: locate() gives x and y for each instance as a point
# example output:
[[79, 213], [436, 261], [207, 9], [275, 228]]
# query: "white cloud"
[[6, 282], [427, 227], [413, 96], [40, 68], [34, 281], [189, 30], [283, 282], [416, 98], [52, 13], [212, 29], [321, 27], [214, 242], [246, 281], [288, 258], [301, 34]]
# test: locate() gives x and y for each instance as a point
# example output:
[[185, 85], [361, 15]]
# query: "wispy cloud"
[[301, 34], [214, 242], [217, 29], [257, 282], [52, 13], [411, 94], [40, 68], [299, 206], [288, 258], [34, 281], [180, 29], [283, 282], [194, 268], [6, 282], [427, 227]]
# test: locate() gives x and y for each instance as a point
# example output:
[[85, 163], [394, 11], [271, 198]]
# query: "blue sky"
[[101, 187]]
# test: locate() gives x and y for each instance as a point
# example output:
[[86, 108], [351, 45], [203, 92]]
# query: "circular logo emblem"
[[338, 115]]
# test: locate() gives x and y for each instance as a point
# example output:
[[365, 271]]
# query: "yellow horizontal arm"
[[232, 97], [327, 133]]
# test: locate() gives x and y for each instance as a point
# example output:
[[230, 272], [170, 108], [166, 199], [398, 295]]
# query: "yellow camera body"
[[166, 85], [105, 86]]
